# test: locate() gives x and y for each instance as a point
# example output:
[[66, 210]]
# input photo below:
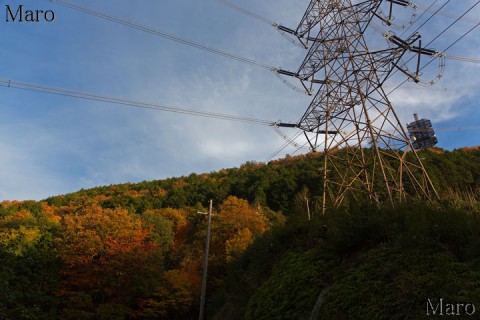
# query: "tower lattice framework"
[[366, 149]]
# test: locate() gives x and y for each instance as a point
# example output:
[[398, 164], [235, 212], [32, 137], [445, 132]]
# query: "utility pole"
[[205, 265]]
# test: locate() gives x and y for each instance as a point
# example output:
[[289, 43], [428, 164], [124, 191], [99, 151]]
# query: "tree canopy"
[[135, 251]]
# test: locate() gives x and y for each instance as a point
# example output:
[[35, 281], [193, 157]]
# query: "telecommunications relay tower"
[[422, 133], [366, 150]]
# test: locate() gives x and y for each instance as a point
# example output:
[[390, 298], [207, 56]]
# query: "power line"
[[291, 141], [463, 59], [416, 30], [420, 18], [138, 104], [435, 12], [374, 25], [246, 12], [132, 103], [448, 15], [176, 38], [455, 42], [453, 23], [162, 34], [460, 38], [450, 46], [459, 128], [285, 144], [262, 19]]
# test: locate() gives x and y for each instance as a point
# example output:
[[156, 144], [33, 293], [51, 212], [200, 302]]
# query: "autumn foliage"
[[111, 262], [107, 258], [136, 251]]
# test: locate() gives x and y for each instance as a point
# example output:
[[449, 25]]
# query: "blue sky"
[[53, 145]]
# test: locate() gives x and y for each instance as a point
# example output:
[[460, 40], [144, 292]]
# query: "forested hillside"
[[135, 251]]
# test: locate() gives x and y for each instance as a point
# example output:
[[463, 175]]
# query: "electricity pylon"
[[366, 149]]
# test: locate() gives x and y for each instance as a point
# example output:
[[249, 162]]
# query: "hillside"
[[135, 251]]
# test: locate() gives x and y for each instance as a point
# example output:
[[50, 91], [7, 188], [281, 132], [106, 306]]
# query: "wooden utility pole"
[[205, 265]]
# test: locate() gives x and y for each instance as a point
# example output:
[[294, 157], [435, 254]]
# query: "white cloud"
[[65, 144], [25, 165]]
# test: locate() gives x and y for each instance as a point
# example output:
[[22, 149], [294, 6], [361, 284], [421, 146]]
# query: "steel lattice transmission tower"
[[366, 149]]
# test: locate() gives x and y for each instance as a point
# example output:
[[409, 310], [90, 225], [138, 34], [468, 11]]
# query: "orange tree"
[[110, 263]]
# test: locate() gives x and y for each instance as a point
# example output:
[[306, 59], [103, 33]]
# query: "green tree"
[[29, 270]]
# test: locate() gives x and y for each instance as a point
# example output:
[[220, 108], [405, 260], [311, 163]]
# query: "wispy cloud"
[[52, 145]]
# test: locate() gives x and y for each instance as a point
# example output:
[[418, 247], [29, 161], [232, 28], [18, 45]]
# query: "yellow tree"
[[238, 243], [235, 227]]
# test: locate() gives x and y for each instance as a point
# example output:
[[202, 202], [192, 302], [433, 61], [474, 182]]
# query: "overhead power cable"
[[287, 143], [416, 30], [461, 37], [132, 103], [459, 128], [450, 46], [463, 59], [448, 15], [453, 23], [262, 19], [435, 12], [419, 18], [246, 12], [374, 25], [156, 32]]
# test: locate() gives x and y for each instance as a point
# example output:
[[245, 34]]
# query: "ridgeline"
[[135, 251]]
